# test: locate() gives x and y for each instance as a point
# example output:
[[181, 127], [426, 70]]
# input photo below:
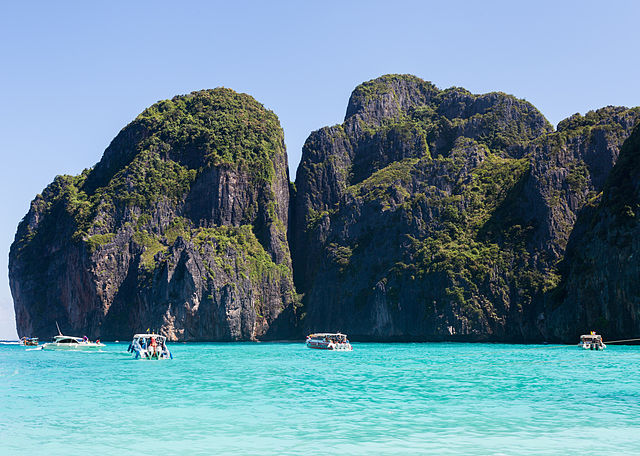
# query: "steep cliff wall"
[[601, 280], [434, 214], [180, 227]]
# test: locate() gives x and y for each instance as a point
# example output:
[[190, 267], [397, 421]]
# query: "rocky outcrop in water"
[[181, 227], [434, 215]]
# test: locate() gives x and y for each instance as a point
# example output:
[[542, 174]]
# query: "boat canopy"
[[67, 340], [591, 337], [149, 336], [331, 336]]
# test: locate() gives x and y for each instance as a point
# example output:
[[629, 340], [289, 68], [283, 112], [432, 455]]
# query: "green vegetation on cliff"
[[406, 102], [621, 194], [192, 186], [252, 260], [599, 287], [183, 136], [229, 127], [451, 210]]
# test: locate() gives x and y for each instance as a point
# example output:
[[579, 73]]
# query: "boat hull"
[[144, 354], [72, 347], [316, 345]]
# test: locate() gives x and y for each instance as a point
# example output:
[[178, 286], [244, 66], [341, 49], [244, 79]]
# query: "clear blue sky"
[[72, 74]]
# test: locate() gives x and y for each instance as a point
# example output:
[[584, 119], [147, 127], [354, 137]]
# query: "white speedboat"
[[328, 341], [592, 341], [150, 346], [61, 342]]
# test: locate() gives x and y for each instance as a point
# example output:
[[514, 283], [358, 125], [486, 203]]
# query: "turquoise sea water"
[[282, 398]]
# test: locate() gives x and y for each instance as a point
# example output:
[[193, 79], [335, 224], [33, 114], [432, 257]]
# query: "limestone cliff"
[[181, 227], [427, 214], [438, 214], [600, 288]]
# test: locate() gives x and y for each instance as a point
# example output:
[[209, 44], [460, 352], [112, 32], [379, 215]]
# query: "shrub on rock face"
[[181, 226]]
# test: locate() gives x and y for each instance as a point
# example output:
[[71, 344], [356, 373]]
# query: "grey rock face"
[[442, 215], [600, 288], [180, 228]]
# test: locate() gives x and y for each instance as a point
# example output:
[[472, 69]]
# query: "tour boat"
[[61, 342], [29, 341], [328, 341], [149, 346], [592, 341]]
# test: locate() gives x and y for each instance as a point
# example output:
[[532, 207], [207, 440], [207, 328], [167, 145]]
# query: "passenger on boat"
[[153, 346]]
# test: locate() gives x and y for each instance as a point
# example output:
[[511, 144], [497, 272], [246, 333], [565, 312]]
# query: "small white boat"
[[29, 341], [328, 341], [150, 346], [592, 341], [61, 342]]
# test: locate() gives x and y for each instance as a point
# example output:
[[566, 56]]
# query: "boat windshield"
[[66, 340]]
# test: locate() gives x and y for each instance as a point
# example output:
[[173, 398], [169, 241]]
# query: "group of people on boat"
[[149, 346], [592, 341], [154, 349], [86, 340], [328, 341], [337, 339]]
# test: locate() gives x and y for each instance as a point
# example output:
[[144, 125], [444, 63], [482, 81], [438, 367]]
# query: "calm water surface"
[[282, 398]]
